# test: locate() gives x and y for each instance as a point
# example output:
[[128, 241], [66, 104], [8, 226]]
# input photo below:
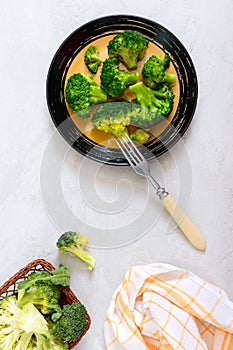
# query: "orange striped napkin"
[[163, 307]]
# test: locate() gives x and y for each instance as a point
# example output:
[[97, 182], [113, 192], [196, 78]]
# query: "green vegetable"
[[151, 106], [82, 92], [18, 326], [140, 136], [91, 58], [73, 243], [59, 276], [72, 322], [114, 80], [113, 117], [129, 47], [154, 72], [45, 296]]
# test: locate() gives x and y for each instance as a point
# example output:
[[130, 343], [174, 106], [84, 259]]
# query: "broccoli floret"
[[18, 326], [59, 276], [73, 243], [129, 47], [113, 117], [154, 71], [91, 58], [45, 296], [152, 106], [140, 136], [114, 80], [82, 92], [72, 322]]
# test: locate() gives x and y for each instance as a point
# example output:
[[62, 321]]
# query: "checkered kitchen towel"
[[160, 306]]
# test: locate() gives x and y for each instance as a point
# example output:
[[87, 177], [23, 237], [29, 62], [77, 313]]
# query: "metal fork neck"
[[160, 191]]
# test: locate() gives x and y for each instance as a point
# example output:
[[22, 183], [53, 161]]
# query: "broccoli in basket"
[[151, 106], [154, 72], [129, 47], [72, 323], [114, 80], [91, 58], [73, 243], [82, 92]]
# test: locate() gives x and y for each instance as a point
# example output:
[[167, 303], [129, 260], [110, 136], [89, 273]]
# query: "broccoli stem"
[[145, 95], [131, 77], [170, 79]]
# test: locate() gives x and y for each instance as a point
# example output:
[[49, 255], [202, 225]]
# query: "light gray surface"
[[199, 168]]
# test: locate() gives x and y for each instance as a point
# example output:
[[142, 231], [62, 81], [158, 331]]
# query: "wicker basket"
[[67, 296]]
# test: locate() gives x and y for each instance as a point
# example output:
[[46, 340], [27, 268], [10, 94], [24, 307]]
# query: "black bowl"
[[98, 28]]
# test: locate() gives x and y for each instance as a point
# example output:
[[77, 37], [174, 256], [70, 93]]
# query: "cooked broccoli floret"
[[152, 106], [140, 136], [129, 47], [45, 296], [154, 71], [91, 58], [59, 276], [72, 322], [73, 243], [113, 79], [82, 92], [113, 117]]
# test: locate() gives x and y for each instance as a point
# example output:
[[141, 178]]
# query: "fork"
[[141, 166]]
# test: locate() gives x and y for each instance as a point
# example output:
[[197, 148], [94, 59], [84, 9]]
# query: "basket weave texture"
[[67, 296]]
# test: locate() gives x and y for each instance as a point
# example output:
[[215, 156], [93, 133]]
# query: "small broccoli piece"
[[113, 117], [154, 71], [58, 277], [140, 136], [45, 296], [82, 92], [91, 58], [114, 80], [72, 322], [73, 243], [152, 106], [129, 47]]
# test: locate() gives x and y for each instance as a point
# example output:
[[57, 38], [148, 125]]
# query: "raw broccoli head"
[[113, 117], [152, 106], [72, 322], [129, 47], [91, 58], [58, 277], [72, 243], [154, 71], [82, 92], [45, 296], [19, 326], [113, 79]]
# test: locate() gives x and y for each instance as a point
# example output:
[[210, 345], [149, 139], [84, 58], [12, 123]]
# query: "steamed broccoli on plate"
[[154, 71], [151, 106], [82, 92], [92, 59], [113, 117], [129, 47], [114, 80], [140, 135]]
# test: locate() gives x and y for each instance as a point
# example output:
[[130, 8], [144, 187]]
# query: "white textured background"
[[30, 33]]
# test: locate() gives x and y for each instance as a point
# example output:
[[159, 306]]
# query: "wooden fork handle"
[[184, 223]]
